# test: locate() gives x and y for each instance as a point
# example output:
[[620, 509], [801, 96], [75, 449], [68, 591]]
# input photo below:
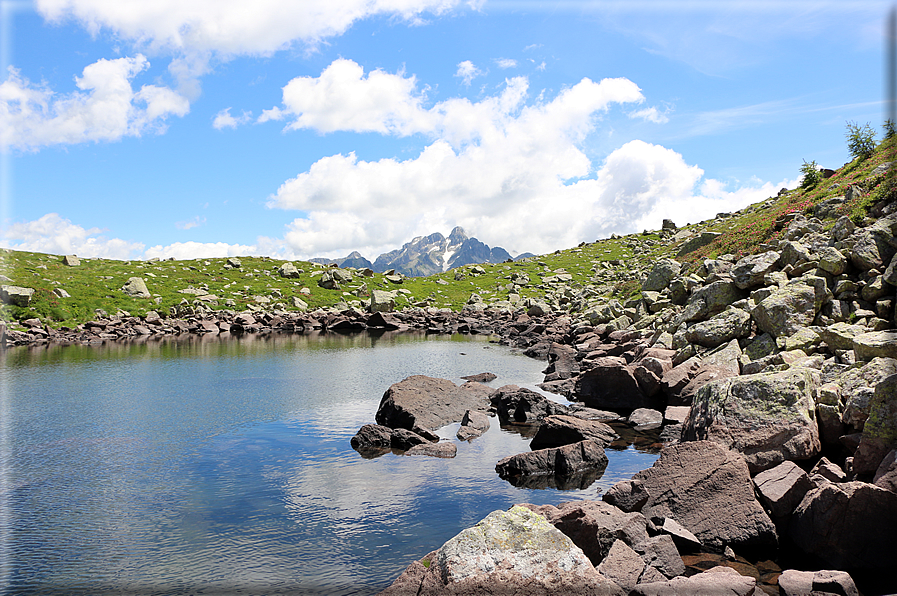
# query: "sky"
[[210, 128]]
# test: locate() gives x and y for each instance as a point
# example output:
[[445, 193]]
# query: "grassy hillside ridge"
[[567, 280]]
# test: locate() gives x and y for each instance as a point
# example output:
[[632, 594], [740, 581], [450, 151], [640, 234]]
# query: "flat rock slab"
[[713, 582], [708, 490], [421, 402], [512, 552]]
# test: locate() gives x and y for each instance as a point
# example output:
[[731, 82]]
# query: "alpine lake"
[[222, 465]]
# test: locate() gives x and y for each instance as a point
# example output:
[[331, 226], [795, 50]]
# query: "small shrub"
[[860, 140], [811, 173]]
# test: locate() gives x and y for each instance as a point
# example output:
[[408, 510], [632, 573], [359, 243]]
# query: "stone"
[[567, 460], [782, 488], [513, 552], [787, 309], [71, 261], [697, 242], [661, 275], [661, 553], [426, 403], [136, 288], [525, 406], [622, 565], [645, 418], [880, 428], [876, 344], [840, 336], [558, 430], [473, 425], [711, 299], [289, 271], [832, 261], [562, 363], [382, 301], [733, 323], [234, 262], [811, 583], [767, 417], [826, 521], [708, 490], [750, 271], [372, 440], [713, 582], [594, 526], [829, 471], [299, 304], [444, 449], [682, 538], [611, 385], [15, 295], [870, 250], [484, 377], [627, 495], [886, 475]]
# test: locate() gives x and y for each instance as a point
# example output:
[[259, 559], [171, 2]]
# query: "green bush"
[[860, 140], [811, 173], [890, 129]]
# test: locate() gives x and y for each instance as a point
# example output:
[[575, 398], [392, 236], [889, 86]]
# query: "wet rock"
[[521, 405], [443, 450], [708, 490], [481, 377], [555, 461], [473, 425]]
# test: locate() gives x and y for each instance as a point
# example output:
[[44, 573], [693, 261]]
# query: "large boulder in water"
[[525, 406], [426, 403], [558, 462], [708, 490], [509, 552], [767, 417], [556, 431], [611, 385]]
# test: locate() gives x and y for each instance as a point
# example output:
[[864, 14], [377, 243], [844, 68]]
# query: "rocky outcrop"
[[512, 552]]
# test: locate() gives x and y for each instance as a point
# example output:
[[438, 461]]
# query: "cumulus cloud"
[[467, 72], [105, 107], [344, 98], [223, 119], [56, 235], [229, 28], [201, 250], [506, 63]]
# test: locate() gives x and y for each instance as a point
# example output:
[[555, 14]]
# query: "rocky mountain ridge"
[[427, 255]]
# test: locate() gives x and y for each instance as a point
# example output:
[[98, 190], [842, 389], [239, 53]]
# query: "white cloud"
[[467, 72], [229, 28], [188, 225], [223, 119], [506, 63], [344, 98], [201, 250], [106, 107], [651, 115], [55, 235]]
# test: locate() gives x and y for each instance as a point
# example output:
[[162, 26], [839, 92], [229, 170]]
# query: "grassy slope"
[[96, 283]]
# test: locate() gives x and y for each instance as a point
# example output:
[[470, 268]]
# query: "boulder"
[[839, 336], [372, 435], [509, 552], [875, 344], [444, 449], [71, 261], [525, 406], [562, 363], [627, 495], [767, 417], [426, 403], [288, 270], [826, 524], [708, 490], [810, 583], [594, 526], [622, 565], [556, 461], [713, 582], [559, 430], [750, 271], [782, 488], [661, 275], [697, 242], [136, 288], [886, 475], [645, 418], [880, 428], [660, 552], [832, 261], [382, 301], [731, 324], [473, 425], [16, 295], [611, 385], [870, 249], [829, 471], [711, 299], [787, 309]]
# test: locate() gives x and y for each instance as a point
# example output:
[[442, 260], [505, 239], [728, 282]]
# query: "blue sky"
[[200, 128]]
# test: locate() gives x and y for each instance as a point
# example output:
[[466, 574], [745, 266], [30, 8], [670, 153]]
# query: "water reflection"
[[216, 465]]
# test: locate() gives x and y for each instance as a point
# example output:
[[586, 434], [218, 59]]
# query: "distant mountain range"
[[426, 255]]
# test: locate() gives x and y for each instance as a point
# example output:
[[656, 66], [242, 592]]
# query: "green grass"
[[96, 283]]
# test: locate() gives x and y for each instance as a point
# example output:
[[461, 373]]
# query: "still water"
[[223, 466]]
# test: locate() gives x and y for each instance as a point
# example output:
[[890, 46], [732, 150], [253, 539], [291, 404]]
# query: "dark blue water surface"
[[223, 466]]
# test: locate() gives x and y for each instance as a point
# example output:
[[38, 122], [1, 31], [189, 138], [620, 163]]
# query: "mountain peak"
[[457, 236]]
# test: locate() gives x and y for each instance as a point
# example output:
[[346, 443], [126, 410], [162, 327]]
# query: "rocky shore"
[[773, 378]]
